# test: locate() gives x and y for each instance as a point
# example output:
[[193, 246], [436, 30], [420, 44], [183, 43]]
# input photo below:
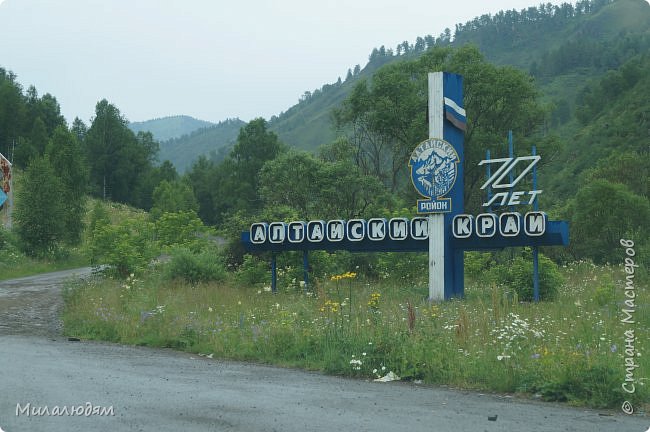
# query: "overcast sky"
[[210, 59]]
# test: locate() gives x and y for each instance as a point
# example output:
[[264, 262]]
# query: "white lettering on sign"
[[377, 229], [258, 233], [462, 226], [535, 223], [512, 198], [356, 229], [486, 225], [398, 228], [297, 232], [420, 228], [507, 224], [277, 232], [335, 230], [508, 165], [316, 231]]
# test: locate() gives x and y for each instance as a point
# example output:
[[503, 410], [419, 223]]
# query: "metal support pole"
[[535, 248]]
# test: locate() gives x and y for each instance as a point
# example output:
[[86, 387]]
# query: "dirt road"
[[162, 390]]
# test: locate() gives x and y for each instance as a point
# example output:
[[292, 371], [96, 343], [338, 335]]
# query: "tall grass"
[[571, 349]]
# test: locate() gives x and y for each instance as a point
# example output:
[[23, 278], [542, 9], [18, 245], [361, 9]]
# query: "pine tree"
[[66, 157], [39, 209]]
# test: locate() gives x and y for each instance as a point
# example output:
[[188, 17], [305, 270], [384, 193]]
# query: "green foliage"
[[166, 128], [126, 248], [118, 159], [565, 350], [605, 292], [234, 183], [516, 277], [184, 149], [602, 214], [253, 271], [171, 197], [387, 116], [194, 267], [40, 211], [320, 189], [182, 228], [69, 166], [8, 240], [597, 386]]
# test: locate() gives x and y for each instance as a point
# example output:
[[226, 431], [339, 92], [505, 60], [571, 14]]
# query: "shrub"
[[195, 268], [253, 271], [517, 276], [126, 248]]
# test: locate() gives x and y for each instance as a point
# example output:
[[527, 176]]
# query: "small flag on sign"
[[455, 114]]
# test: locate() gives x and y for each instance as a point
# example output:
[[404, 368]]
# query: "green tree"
[[202, 178], [173, 197], [12, 111], [66, 156], [33, 145], [602, 214], [79, 129], [40, 211], [386, 118], [317, 188], [118, 159], [235, 182]]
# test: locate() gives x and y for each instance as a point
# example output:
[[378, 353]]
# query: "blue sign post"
[[446, 233]]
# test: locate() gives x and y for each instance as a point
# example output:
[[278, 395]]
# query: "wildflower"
[[356, 364], [613, 348], [373, 302], [209, 308]]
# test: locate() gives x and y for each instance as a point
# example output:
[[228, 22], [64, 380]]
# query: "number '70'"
[[507, 165]]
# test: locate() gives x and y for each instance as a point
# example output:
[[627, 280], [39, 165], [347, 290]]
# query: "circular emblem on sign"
[[434, 167]]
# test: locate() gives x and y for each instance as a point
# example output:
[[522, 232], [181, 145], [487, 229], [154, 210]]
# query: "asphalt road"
[[162, 390]]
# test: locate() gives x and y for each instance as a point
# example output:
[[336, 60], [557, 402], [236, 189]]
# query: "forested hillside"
[[585, 107], [562, 47], [213, 141], [167, 128]]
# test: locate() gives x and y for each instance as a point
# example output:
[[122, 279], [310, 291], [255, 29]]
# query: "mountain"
[[212, 141], [166, 128], [564, 47]]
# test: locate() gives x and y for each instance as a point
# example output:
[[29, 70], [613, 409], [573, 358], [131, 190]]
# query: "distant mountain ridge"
[[563, 47], [166, 128], [210, 141]]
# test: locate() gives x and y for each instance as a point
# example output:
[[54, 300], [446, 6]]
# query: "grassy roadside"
[[572, 349], [13, 264]]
